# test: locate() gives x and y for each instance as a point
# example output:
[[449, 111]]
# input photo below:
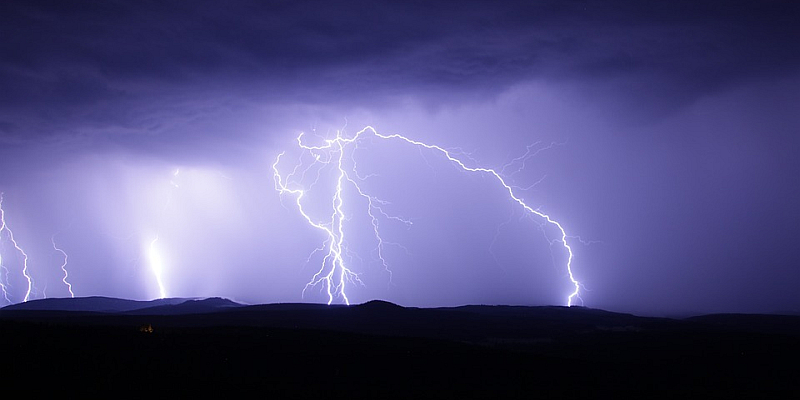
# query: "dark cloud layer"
[[62, 61]]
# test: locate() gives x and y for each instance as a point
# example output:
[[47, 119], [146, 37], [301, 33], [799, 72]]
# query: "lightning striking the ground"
[[10, 235], [63, 266], [157, 267], [334, 273], [4, 280], [154, 258]]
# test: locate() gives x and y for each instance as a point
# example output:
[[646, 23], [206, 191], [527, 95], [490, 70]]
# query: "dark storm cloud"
[[64, 62]]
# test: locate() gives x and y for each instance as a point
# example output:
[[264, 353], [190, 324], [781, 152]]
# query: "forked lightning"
[[334, 273]]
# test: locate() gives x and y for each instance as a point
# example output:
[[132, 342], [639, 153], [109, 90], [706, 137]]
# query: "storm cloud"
[[673, 123]]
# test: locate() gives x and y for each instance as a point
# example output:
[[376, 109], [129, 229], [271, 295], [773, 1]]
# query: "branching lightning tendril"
[[10, 235], [63, 266], [334, 273]]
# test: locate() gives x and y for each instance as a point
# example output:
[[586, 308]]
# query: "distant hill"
[[109, 305], [379, 349], [185, 307], [471, 322]]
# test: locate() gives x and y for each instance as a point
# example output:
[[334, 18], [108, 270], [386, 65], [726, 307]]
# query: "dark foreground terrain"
[[175, 347]]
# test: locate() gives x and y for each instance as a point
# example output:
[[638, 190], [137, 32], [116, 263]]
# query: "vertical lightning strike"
[[156, 266], [333, 263], [63, 266], [4, 280], [153, 256], [4, 227], [333, 273]]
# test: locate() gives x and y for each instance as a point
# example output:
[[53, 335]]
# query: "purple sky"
[[676, 125]]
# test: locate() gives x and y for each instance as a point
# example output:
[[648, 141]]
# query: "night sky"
[[668, 132]]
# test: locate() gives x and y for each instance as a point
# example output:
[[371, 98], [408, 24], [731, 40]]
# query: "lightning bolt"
[[63, 266], [10, 234], [153, 255], [4, 280], [157, 266], [334, 274]]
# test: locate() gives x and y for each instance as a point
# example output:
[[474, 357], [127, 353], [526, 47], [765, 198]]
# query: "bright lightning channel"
[[4, 280], [157, 267], [334, 273], [63, 266], [10, 234], [154, 258]]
